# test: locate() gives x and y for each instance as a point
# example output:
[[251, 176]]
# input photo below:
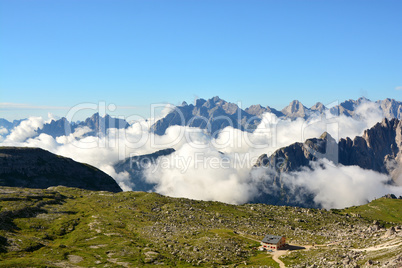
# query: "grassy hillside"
[[382, 209], [69, 227]]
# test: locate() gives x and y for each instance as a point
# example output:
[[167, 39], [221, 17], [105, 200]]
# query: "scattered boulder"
[[390, 232]]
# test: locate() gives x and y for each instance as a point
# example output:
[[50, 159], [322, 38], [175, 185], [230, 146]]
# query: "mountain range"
[[213, 115], [96, 125], [378, 149]]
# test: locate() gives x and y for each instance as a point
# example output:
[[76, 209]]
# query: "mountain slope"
[[69, 227], [37, 168]]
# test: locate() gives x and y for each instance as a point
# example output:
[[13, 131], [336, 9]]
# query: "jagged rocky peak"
[[349, 104], [96, 116], [295, 109], [256, 110], [318, 107], [391, 108], [228, 107], [184, 103], [215, 101], [385, 132], [214, 114], [200, 102], [295, 106], [378, 149], [326, 136], [362, 99]]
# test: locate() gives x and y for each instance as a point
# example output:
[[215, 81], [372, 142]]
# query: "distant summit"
[[295, 110], [96, 124], [212, 115]]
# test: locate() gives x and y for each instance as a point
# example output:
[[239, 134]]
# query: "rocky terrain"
[[69, 227], [378, 149], [37, 168]]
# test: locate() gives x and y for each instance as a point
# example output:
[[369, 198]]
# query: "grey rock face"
[[212, 115], [391, 108], [378, 146], [258, 110], [295, 110], [297, 155], [37, 168], [318, 107]]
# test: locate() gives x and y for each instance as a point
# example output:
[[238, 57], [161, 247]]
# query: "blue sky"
[[57, 54]]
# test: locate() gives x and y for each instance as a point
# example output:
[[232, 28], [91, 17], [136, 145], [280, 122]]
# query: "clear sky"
[[57, 54]]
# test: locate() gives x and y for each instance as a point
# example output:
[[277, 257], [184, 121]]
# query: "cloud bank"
[[218, 168], [341, 186]]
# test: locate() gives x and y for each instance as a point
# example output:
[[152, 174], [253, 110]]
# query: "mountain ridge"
[[212, 115], [204, 113], [38, 168]]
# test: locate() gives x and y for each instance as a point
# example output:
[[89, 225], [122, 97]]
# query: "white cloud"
[[398, 88], [214, 169], [341, 186], [3, 131], [25, 130]]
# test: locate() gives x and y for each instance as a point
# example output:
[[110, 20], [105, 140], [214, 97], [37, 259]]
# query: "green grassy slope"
[[69, 227], [382, 209]]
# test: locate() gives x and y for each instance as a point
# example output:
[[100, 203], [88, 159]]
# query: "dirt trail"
[[275, 256], [387, 245]]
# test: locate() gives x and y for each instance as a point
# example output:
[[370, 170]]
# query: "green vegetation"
[[385, 210], [68, 227]]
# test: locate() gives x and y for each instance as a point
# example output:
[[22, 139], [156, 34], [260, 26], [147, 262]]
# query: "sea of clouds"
[[219, 169]]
